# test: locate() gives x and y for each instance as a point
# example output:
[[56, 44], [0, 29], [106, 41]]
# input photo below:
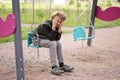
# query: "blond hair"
[[60, 14]]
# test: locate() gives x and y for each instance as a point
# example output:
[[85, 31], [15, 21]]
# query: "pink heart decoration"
[[109, 14], [8, 26]]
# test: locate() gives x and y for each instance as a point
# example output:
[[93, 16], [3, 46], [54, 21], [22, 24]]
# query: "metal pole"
[[50, 9], [33, 22], [33, 12], [77, 8], [18, 41], [92, 21]]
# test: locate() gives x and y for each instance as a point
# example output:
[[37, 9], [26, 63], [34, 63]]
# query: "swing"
[[79, 32], [29, 39], [31, 35]]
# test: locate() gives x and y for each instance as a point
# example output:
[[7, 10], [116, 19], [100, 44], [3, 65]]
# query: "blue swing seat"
[[79, 34], [29, 40]]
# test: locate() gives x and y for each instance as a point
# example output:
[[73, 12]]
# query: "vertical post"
[[50, 9], [77, 8], [18, 41], [92, 20], [33, 22]]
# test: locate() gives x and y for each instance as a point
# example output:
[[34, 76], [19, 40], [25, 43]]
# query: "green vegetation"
[[41, 13], [25, 31]]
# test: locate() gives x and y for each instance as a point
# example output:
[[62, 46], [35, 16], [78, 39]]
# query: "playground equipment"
[[109, 14], [30, 33], [30, 37], [29, 41], [8, 26], [79, 33], [18, 39]]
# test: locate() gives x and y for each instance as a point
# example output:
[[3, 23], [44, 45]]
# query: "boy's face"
[[57, 21]]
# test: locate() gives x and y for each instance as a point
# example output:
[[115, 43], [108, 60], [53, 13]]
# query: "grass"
[[25, 31], [42, 13]]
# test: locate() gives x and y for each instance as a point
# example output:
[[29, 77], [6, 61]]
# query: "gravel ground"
[[101, 61]]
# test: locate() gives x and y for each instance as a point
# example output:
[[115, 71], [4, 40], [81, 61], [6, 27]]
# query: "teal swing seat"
[[80, 34], [29, 40]]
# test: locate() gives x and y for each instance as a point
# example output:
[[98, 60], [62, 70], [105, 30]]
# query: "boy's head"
[[59, 14], [58, 18]]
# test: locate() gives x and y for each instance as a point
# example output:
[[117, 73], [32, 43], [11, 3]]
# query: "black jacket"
[[44, 30]]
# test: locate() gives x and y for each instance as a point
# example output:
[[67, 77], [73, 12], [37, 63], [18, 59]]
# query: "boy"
[[49, 35]]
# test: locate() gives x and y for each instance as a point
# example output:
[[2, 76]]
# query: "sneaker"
[[56, 70], [66, 68]]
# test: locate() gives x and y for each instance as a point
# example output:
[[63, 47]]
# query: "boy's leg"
[[52, 49], [63, 67], [52, 45], [59, 52]]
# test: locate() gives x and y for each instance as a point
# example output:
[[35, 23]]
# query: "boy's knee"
[[58, 43], [52, 43]]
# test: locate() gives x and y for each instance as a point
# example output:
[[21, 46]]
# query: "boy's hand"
[[60, 28], [54, 25]]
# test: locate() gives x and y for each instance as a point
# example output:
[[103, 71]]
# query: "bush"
[[2, 8], [109, 3]]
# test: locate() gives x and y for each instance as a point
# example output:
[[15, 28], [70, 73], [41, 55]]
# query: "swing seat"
[[33, 46], [79, 34], [29, 40]]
